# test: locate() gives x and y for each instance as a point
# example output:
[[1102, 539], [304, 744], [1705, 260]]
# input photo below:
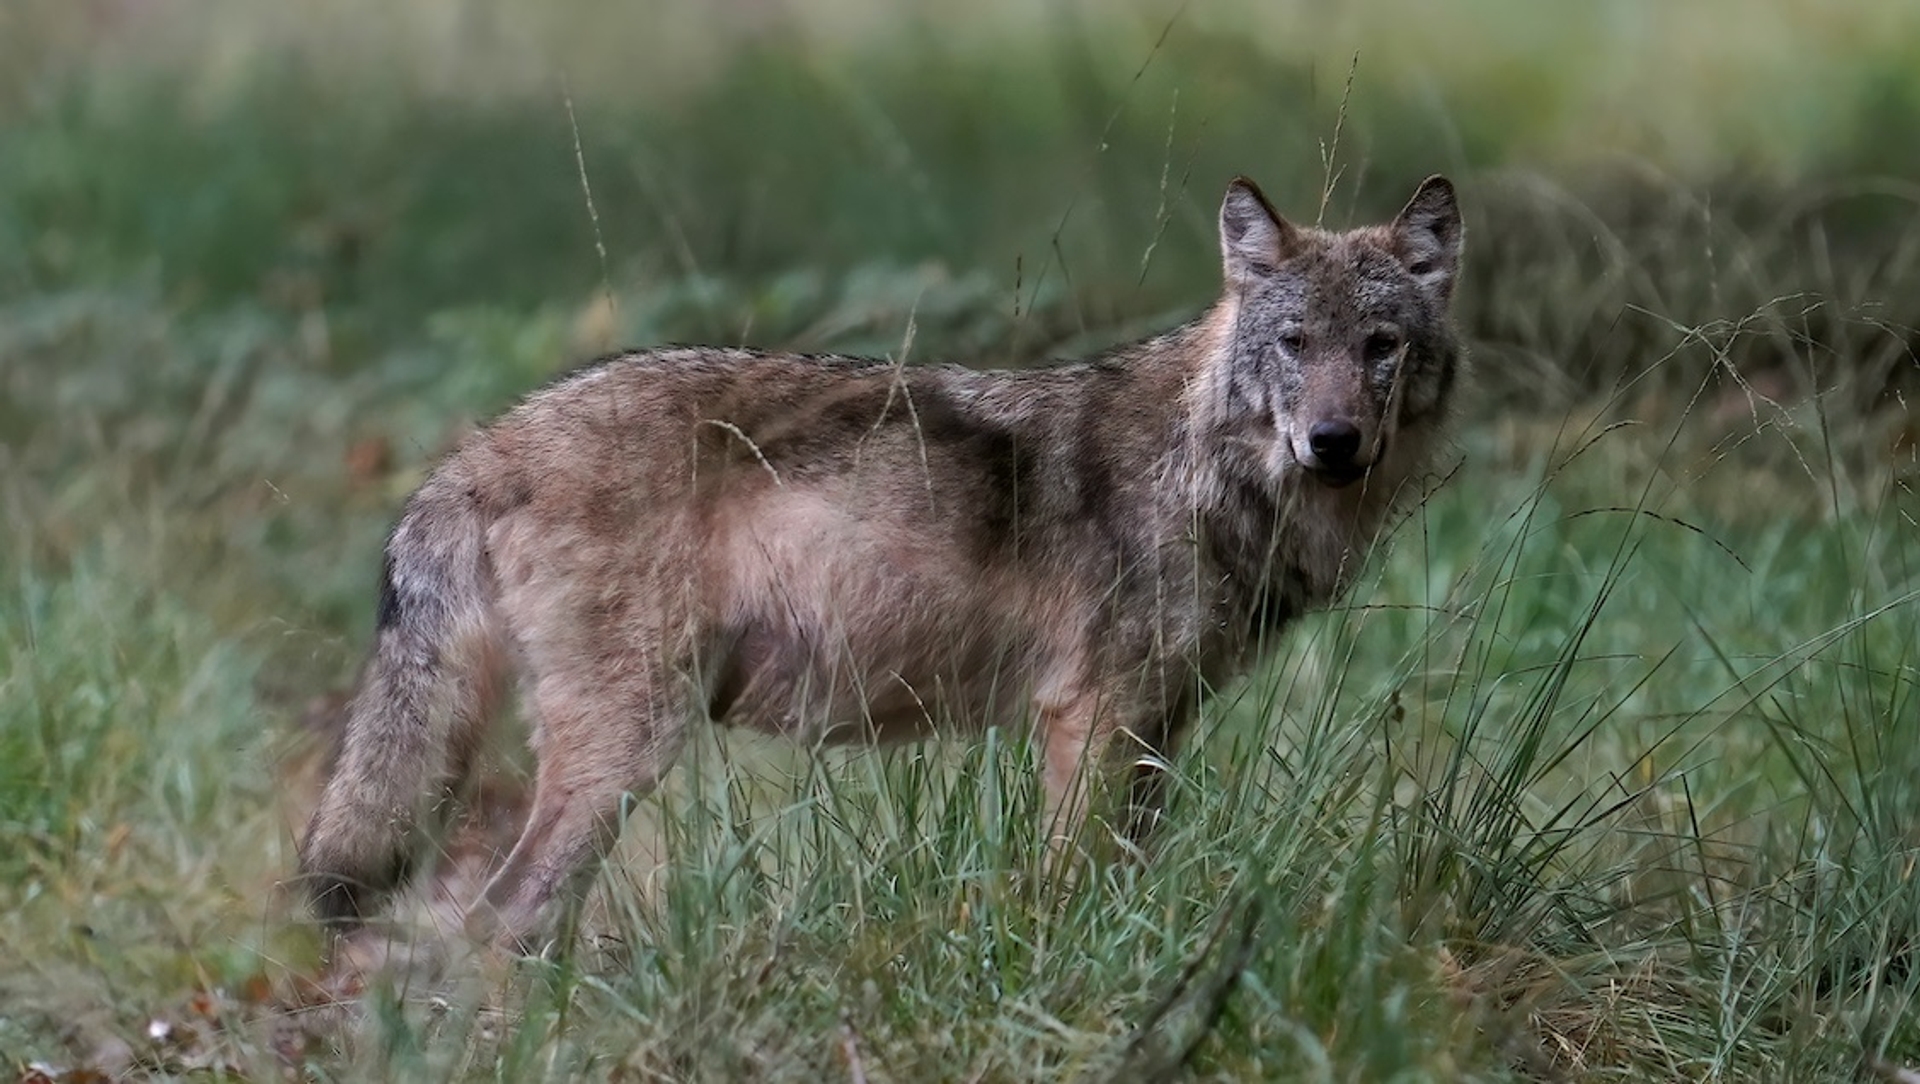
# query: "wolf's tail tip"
[[338, 902], [343, 901]]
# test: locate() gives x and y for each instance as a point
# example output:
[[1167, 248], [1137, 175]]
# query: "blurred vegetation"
[[1608, 773], [391, 164], [387, 166]]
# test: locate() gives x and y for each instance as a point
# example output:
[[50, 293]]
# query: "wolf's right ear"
[[1254, 239]]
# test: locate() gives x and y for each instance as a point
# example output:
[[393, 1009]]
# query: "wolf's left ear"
[[1254, 239], [1428, 233]]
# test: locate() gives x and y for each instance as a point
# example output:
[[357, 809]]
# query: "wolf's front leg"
[[1070, 771], [1103, 763], [1093, 757]]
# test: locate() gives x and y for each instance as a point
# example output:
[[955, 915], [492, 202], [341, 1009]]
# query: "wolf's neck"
[[1267, 552]]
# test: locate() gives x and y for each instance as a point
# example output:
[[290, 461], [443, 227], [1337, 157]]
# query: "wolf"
[[842, 548]]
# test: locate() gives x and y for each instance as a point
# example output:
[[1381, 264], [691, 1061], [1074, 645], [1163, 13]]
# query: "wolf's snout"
[[1333, 451], [1334, 443]]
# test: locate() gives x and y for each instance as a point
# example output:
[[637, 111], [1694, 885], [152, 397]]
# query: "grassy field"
[[1609, 768]]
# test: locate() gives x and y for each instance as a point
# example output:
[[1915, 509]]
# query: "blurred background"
[[749, 160], [382, 164]]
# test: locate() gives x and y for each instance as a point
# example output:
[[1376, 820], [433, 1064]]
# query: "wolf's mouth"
[[1338, 477]]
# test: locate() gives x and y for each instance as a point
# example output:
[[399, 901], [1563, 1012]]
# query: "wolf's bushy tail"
[[435, 675]]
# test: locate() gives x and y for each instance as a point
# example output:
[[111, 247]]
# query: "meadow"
[[1608, 768]]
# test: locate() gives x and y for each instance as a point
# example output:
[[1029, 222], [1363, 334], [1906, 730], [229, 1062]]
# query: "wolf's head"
[[1336, 344]]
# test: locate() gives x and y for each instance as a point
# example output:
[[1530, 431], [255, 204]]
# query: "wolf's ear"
[[1253, 238], [1428, 233]]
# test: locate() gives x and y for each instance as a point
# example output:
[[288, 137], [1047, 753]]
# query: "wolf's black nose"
[[1335, 443]]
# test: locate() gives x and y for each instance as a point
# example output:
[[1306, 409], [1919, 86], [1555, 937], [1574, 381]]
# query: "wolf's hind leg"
[[601, 741]]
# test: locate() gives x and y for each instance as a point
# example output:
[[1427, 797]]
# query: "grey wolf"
[[835, 547]]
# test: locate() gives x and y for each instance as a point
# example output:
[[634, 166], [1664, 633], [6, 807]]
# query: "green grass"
[[1606, 770]]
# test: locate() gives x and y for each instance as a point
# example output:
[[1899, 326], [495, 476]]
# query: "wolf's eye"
[[1293, 342], [1382, 345]]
